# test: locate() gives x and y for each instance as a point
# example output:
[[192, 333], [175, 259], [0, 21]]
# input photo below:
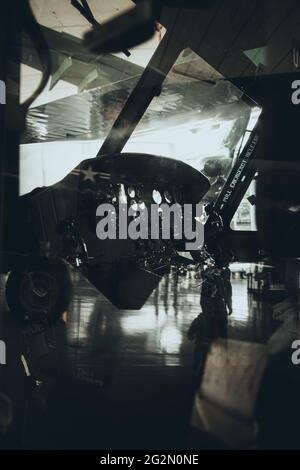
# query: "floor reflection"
[[132, 380], [156, 334]]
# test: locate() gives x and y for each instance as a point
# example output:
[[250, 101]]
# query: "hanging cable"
[[85, 11]]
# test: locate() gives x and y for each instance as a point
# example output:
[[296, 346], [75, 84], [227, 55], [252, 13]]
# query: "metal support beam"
[[146, 89]]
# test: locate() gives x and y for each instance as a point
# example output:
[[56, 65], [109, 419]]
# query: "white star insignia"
[[89, 174]]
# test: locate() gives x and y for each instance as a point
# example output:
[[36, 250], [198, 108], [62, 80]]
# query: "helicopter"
[[58, 222]]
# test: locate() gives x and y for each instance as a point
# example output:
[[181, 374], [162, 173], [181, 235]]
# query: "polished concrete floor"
[[116, 379]]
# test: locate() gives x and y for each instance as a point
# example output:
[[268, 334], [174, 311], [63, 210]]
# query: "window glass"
[[199, 117], [245, 219], [69, 121]]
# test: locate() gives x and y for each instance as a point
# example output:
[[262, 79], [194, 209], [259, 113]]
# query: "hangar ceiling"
[[231, 36], [61, 17]]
